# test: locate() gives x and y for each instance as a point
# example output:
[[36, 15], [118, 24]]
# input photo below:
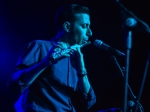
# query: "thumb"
[[79, 51]]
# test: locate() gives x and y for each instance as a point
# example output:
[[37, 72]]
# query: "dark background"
[[22, 21]]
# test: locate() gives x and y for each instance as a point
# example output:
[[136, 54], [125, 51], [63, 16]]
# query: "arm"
[[29, 67], [88, 94], [34, 61], [83, 83], [28, 75]]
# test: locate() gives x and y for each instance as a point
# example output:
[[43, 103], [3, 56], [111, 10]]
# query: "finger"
[[62, 45], [79, 52], [59, 46], [66, 55], [71, 53], [78, 49], [72, 50], [57, 49], [74, 46]]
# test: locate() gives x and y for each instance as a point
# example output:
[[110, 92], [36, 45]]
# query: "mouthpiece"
[[85, 44]]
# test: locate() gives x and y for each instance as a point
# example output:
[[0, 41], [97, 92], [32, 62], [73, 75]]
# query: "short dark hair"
[[67, 12]]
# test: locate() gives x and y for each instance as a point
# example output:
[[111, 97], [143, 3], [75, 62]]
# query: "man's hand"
[[59, 51], [80, 60]]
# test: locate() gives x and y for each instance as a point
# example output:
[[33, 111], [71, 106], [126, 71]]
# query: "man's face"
[[80, 29]]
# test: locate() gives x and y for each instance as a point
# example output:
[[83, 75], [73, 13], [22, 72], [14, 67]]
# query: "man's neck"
[[62, 38]]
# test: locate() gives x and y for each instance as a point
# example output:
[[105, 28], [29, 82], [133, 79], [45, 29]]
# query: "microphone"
[[132, 20], [100, 44]]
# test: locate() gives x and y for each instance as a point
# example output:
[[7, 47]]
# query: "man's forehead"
[[82, 17]]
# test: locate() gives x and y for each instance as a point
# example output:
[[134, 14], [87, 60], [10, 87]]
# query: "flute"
[[60, 54], [85, 44]]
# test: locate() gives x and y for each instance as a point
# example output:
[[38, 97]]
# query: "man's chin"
[[83, 42]]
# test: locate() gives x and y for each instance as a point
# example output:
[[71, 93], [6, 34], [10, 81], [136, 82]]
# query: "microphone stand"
[[130, 103], [130, 23], [131, 20], [129, 45]]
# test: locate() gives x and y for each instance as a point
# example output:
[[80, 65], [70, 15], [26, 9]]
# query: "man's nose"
[[89, 32]]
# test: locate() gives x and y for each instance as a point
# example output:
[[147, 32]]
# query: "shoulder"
[[35, 51], [40, 43]]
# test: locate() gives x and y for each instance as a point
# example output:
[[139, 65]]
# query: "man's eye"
[[84, 26]]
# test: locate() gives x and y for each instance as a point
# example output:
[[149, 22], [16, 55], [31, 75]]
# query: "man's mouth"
[[85, 41]]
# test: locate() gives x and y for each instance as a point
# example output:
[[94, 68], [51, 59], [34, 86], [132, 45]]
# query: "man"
[[51, 75]]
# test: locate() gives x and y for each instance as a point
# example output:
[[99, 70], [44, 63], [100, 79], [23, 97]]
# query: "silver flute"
[[85, 44], [60, 54]]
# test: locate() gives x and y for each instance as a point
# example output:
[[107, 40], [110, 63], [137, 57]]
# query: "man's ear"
[[66, 26]]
